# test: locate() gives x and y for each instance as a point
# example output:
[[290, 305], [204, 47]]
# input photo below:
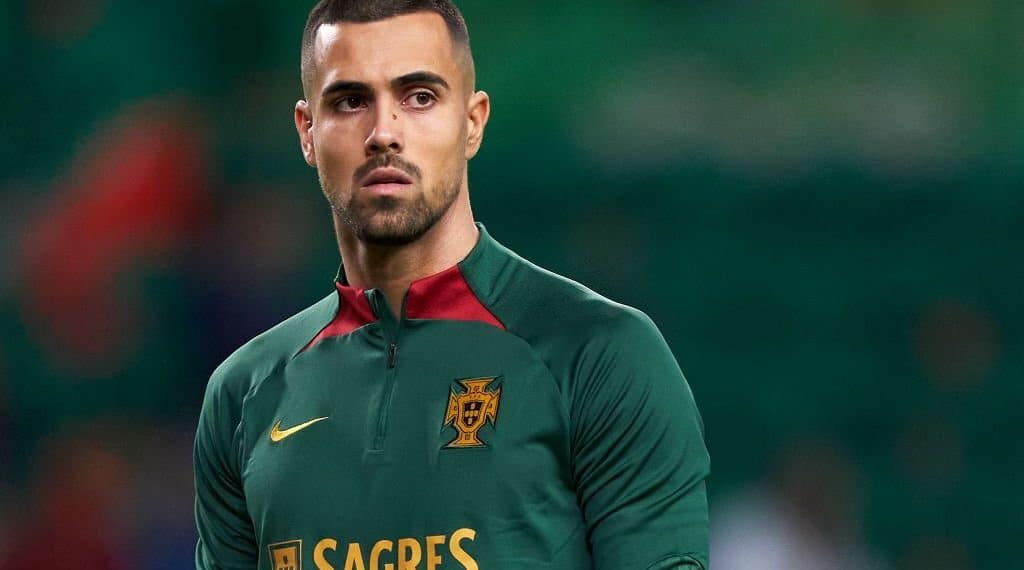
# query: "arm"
[[638, 452], [226, 536]]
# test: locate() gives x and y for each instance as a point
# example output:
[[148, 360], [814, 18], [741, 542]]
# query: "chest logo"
[[277, 434], [468, 411]]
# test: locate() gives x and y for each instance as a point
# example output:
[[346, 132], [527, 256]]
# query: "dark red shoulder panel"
[[447, 295], [354, 311]]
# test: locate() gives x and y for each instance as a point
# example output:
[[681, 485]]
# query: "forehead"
[[382, 50]]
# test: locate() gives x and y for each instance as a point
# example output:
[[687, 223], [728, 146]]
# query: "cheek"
[[442, 147], [337, 156]]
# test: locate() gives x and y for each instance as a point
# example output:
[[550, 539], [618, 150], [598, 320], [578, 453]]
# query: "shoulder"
[[258, 358], [563, 319], [537, 302], [602, 354]]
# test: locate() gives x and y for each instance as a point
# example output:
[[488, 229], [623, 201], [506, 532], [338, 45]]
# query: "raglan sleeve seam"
[[243, 456], [552, 378]]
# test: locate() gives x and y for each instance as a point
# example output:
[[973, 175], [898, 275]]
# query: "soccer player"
[[450, 405]]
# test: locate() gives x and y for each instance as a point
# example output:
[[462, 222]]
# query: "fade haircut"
[[362, 11]]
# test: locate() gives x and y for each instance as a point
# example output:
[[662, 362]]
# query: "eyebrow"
[[420, 77], [416, 77]]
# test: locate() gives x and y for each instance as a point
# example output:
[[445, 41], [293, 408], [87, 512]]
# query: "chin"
[[393, 220], [388, 236], [393, 228]]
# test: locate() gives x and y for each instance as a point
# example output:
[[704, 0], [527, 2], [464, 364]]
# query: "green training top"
[[511, 419]]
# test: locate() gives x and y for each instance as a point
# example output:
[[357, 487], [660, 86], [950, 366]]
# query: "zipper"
[[391, 332], [392, 355], [385, 404]]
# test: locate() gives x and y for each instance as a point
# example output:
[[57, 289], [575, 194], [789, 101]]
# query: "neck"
[[391, 269]]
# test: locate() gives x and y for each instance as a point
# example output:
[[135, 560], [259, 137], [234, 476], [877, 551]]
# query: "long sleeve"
[[226, 536], [639, 456]]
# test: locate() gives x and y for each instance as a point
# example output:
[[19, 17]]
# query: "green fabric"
[[594, 458]]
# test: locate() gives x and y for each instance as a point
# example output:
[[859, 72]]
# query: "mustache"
[[386, 161]]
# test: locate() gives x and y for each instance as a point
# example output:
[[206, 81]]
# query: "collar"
[[446, 295]]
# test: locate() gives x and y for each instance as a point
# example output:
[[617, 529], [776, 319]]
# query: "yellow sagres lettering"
[[381, 546], [433, 560], [277, 434], [400, 554], [409, 553], [354, 558], [456, 547], [318, 553], [286, 555]]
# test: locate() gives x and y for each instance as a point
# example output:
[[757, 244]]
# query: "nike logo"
[[277, 434]]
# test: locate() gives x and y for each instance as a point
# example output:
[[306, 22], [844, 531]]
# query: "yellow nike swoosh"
[[277, 434]]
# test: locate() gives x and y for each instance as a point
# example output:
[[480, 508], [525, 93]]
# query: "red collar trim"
[[447, 296], [442, 296], [354, 311]]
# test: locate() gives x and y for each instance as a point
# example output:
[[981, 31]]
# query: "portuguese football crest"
[[470, 410], [286, 555]]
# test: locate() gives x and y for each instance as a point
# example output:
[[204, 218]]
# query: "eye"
[[420, 100], [350, 103]]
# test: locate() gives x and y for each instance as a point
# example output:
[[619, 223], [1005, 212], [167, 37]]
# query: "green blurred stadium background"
[[818, 201]]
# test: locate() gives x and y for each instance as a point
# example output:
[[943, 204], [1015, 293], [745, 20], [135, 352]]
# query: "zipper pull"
[[392, 355]]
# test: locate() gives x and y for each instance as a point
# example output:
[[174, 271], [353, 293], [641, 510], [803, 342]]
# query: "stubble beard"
[[390, 220]]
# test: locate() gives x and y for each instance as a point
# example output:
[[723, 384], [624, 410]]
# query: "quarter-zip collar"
[[443, 295], [446, 295]]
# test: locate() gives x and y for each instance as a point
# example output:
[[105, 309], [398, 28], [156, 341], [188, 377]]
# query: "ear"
[[304, 126], [479, 111]]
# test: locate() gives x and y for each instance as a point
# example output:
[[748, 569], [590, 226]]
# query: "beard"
[[393, 220]]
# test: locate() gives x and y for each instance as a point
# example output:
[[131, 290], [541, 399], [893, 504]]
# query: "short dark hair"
[[331, 11]]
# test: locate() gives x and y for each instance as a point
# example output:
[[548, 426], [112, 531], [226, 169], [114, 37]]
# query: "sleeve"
[[639, 458], [227, 539]]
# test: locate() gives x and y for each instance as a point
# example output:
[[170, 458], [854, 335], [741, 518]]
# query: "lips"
[[383, 176]]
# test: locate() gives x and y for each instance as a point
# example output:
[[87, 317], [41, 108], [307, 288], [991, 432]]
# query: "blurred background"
[[818, 201]]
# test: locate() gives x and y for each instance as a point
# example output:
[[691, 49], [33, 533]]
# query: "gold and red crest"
[[470, 410], [286, 555]]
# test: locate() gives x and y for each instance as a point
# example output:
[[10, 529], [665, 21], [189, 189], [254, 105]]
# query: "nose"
[[385, 136]]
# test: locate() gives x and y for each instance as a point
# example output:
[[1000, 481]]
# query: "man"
[[450, 405]]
